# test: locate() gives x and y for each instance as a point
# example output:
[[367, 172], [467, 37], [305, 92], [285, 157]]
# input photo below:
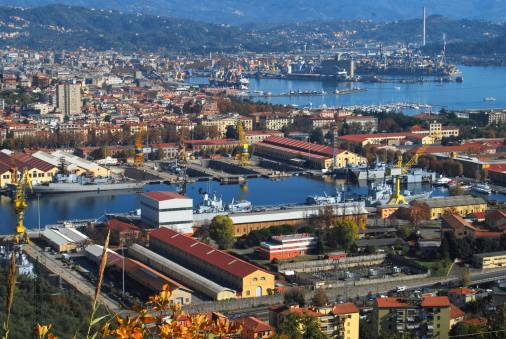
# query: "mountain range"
[[285, 11]]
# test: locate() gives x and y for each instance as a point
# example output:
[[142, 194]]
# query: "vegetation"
[[66, 310], [255, 237], [294, 296], [320, 298], [221, 230], [296, 326]]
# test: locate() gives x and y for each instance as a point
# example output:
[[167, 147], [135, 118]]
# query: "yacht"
[[442, 181], [482, 188], [489, 99]]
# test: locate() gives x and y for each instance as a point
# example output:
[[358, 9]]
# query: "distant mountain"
[[284, 11], [65, 27]]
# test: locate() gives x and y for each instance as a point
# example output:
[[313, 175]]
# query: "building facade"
[[167, 209], [68, 99]]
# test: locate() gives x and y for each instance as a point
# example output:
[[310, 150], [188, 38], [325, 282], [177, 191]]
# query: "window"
[[247, 293]]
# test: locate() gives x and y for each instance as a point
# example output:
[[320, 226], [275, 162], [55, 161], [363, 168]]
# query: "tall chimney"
[[424, 27]]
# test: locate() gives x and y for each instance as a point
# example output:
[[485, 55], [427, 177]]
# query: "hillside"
[[284, 11], [64, 27]]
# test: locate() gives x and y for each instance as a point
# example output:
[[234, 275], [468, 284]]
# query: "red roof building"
[[210, 262], [254, 328]]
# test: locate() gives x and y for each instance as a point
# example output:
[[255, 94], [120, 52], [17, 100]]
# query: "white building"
[[167, 209]]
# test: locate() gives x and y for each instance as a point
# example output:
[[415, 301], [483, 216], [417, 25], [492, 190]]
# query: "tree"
[[465, 277], [320, 298], [312, 328], [418, 213], [291, 326], [294, 296], [343, 235], [317, 136], [231, 132], [221, 230]]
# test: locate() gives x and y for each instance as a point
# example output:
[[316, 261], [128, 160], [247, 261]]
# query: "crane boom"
[[21, 185], [397, 197]]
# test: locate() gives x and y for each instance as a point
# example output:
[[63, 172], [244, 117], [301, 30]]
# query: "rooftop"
[[162, 196], [345, 308], [460, 200], [206, 253]]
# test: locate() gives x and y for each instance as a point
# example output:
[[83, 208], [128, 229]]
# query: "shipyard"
[[224, 174]]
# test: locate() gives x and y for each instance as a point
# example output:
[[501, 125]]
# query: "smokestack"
[[424, 27]]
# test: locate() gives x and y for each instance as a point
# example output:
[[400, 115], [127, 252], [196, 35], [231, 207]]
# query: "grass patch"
[[438, 268]]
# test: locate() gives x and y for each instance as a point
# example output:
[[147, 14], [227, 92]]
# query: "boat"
[[239, 206], [442, 181], [72, 183], [325, 199], [482, 189], [397, 88], [489, 99], [380, 194], [211, 204]]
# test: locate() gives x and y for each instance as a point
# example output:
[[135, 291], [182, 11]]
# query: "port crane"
[[21, 184], [139, 152], [243, 154], [182, 162], [397, 198]]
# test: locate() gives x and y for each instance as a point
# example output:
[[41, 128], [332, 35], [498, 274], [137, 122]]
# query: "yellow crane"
[[139, 152], [21, 184], [397, 197], [243, 154]]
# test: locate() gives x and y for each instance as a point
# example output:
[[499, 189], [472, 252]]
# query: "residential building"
[[167, 209], [219, 266], [366, 123], [337, 321], [254, 328], [461, 205], [221, 122], [462, 228], [274, 123], [489, 260], [387, 139], [68, 99], [461, 296], [428, 316]]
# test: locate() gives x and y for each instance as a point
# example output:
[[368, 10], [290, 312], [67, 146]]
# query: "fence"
[[328, 264]]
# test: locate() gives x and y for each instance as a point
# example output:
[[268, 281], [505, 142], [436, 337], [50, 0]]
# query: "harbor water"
[[479, 83], [261, 192]]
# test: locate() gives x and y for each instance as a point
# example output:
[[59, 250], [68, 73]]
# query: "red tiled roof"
[[435, 301], [302, 311], [390, 302], [120, 226], [211, 141], [162, 196], [254, 325], [345, 308], [461, 291], [475, 321], [455, 312], [299, 145], [210, 255]]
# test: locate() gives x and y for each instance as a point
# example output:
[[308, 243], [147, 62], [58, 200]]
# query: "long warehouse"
[[181, 274]]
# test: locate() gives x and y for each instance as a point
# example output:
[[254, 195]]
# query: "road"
[[71, 277]]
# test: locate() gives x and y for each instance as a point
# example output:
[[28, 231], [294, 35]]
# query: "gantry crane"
[[139, 152], [243, 154], [182, 162], [21, 184], [397, 198]]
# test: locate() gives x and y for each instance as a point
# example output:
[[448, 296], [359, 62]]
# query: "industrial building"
[[387, 138], [39, 171], [64, 239], [288, 246], [302, 153], [140, 275], [244, 223], [461, 204], [73, 163], [167, 209], [216, 265], [187, 277], [427, 316]]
